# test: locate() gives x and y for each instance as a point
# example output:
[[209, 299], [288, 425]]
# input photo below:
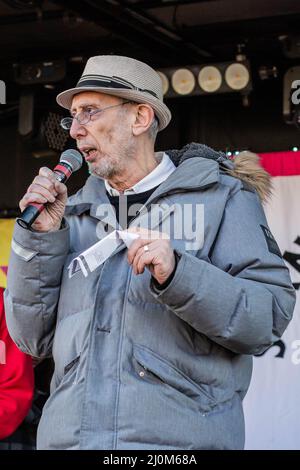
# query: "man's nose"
[[77, 129]]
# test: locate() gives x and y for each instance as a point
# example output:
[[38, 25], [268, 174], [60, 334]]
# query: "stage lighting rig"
[[207, 79]]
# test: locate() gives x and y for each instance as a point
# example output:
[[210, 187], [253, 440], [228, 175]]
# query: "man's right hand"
[[45, 189]]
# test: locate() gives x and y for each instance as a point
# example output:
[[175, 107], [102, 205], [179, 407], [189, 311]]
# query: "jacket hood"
[[245, 166]]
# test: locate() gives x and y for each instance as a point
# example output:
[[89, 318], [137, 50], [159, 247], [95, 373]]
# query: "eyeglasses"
[[85, 116]]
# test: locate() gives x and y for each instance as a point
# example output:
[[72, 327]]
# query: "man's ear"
[[143, 119]]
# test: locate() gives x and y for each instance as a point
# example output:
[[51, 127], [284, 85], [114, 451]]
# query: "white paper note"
[[97, 254]]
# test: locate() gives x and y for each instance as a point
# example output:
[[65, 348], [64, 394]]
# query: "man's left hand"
[[153, 250]]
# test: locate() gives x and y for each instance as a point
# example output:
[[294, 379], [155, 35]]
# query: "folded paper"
[[97, 254]]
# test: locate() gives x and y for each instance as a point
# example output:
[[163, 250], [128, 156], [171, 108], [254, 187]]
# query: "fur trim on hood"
[[245, 166]]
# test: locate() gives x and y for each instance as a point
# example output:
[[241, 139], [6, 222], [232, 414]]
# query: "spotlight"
[[183, 81], [237, 76], [223, 77], [165, 82], [210, 79]]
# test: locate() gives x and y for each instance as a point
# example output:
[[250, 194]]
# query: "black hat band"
[[110, 82]]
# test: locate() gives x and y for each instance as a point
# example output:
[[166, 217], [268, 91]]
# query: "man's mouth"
[[89, 153]]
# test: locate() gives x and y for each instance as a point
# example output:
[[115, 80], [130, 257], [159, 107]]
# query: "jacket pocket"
[[70, 372], [71, 365], [155, 368]]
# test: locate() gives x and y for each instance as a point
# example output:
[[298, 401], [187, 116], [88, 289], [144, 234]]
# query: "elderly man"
[[153, 348]]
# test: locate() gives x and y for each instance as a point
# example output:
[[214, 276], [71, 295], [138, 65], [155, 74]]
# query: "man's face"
[[106, 141]]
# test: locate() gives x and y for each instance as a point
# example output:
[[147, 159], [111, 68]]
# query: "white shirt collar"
[[153, 179]]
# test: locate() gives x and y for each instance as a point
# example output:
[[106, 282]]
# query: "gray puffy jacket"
[[138, 368]]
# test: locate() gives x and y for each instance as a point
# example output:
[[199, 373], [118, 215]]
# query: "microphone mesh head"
[[73, 158]]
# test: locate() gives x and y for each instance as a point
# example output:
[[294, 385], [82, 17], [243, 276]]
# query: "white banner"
[[272, 404]]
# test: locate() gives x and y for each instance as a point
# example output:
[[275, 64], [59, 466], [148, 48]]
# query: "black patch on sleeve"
[[271, 242]]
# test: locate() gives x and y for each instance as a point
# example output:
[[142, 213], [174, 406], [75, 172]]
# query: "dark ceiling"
[[161, 32]]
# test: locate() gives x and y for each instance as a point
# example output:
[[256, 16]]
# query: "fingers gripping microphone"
[[70, 161]]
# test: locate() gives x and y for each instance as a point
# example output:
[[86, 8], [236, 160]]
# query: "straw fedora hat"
[[124, 77]]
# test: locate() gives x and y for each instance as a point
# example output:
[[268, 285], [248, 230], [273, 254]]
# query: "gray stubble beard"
[[109, 167]]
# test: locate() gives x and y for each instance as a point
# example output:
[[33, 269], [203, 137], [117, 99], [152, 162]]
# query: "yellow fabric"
[[6, 229]]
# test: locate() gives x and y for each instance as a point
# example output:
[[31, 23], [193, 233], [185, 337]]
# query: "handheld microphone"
[[70, 161]]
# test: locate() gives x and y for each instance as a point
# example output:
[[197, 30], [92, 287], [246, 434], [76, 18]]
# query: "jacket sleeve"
[[33, 287], [242, 297], [16, 382]]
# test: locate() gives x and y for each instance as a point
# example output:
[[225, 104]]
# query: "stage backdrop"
[[272, 410]]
